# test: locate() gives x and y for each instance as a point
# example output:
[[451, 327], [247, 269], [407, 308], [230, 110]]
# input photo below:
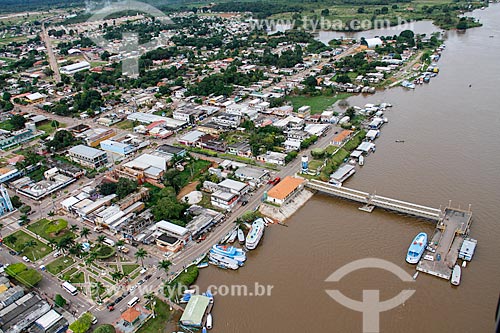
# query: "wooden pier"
[[370, 201]]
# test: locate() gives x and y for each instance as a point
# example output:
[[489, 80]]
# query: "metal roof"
[[86, 151], [195, 310]]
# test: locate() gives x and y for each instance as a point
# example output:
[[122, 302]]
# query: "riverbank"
[[284, 212]]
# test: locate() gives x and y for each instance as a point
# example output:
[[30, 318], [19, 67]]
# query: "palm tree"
[[73, 228], [52, 242], [165, 265], [85, 233], [65, 243], [75, 250], [96, 289], [149, 296], [90, 259], [141, 254], [29, 244], [100, 239], [117, 276]]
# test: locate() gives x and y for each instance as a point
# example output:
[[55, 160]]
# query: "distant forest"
[[260, 7]]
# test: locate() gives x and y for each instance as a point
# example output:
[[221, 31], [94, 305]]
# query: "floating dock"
[[442, 251]]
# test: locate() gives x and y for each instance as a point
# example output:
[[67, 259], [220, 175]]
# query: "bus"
[[133, 302], [70, 288]]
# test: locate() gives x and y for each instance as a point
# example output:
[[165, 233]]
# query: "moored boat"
[[230, 252], [255, 234], [408, 84], [232, 238], [209, 321], [241, 236], [417, 248], [202, 264], [456, 275], [223, 262]]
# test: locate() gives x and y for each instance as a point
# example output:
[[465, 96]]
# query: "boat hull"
[[417, 248], [255, 234]]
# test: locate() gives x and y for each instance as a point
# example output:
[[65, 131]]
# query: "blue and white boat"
[[417, 248], [408, 84], [224, 262], [229, 252], [255, 234]]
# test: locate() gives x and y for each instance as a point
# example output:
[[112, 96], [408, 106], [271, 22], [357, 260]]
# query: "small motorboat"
[[232, 238], [202, 264], [241, 236], [209, 321], [455, 275]]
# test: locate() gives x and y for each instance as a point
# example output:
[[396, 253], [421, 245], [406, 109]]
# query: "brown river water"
[[451, 152]]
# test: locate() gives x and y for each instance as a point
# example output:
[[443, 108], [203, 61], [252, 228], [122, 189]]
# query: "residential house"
[[272, 157]]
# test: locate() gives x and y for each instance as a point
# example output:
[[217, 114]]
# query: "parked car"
[[140, 282], [111, 307], [26, 259], [147, 277], [12, 252], [56, 254], [274, 181], [118, 299]]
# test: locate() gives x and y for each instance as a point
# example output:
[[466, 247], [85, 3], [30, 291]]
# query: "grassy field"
[[18, 241], [47, 229], [157, 325], [318, 104], [129, 268], [47, 128], [77, 278], [125, 125], [59, 265]]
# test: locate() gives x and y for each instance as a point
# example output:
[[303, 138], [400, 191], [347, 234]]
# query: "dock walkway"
[[374, 200]]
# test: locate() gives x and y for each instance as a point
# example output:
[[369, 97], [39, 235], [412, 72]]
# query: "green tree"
[[17, 122], [16, 201], [73, 228], [85, 232], [124, 187], [82, 324], [59, 301], [165, 265], [62, 139], [117, 275], [107, 188], [100, 239], [141, 254]]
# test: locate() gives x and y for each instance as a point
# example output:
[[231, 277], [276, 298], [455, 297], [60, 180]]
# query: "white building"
[[74, 68], [224, 200]]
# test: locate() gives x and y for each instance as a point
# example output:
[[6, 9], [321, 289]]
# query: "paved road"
[[50, 52]]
